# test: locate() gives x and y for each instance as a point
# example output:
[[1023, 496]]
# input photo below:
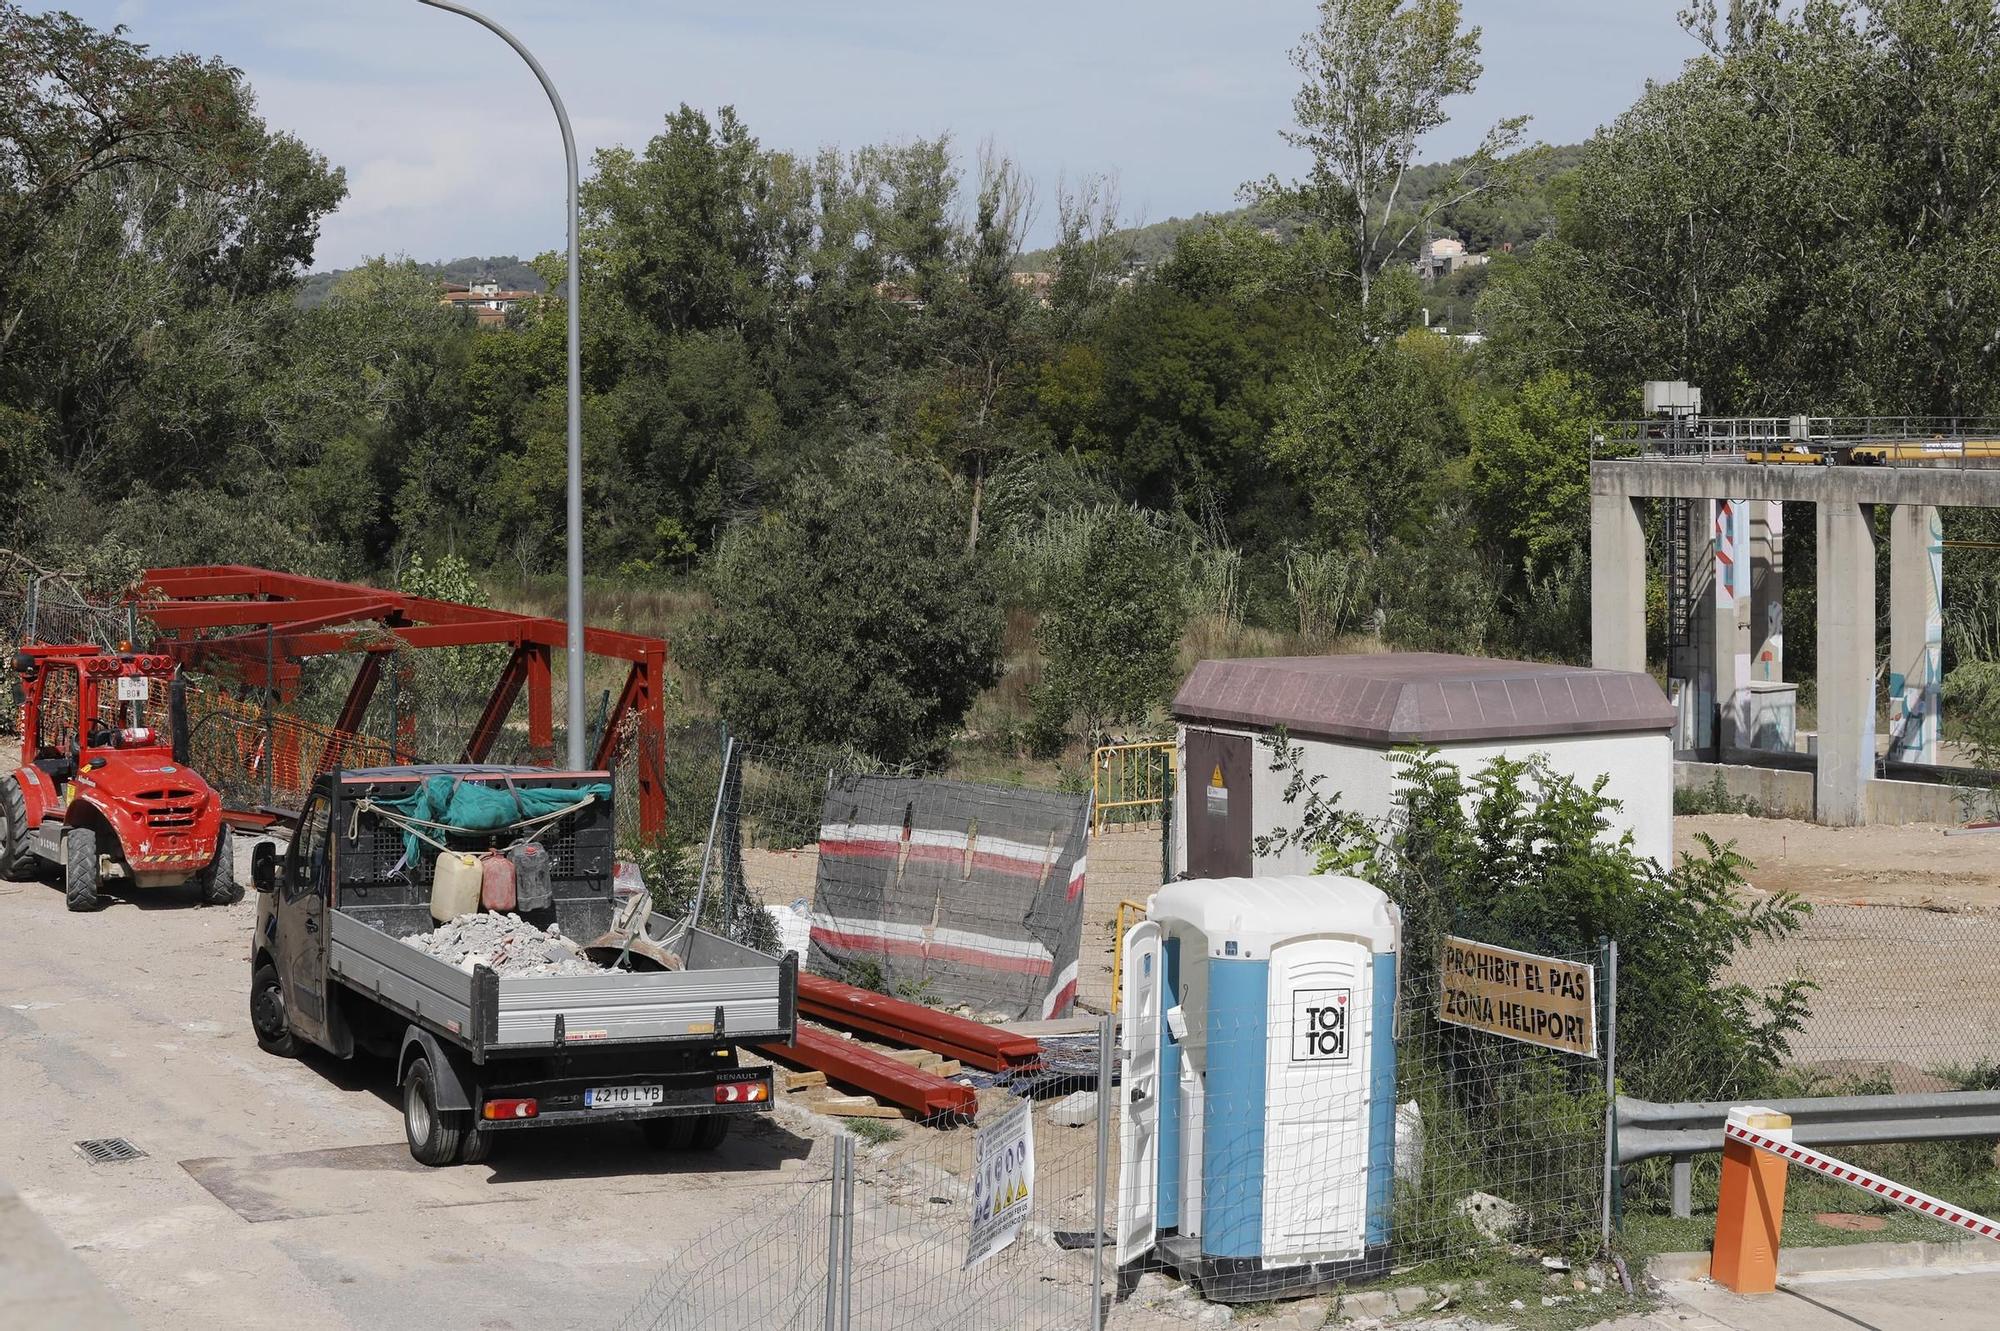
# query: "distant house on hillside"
[[898, 294], [488, 303], [1442, 256], [1036, 285]]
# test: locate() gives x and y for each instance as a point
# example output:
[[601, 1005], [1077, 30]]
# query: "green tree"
[[1801, 222], [1110, 627], [851, 614], [1377, 76], [1371, 432], [1531, 468], [1519, 855], [975, 325], [151, 228]]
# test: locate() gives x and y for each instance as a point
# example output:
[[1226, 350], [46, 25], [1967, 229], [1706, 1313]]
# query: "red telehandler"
[[98, 791]]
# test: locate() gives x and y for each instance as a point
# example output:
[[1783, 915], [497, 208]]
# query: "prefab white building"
[[1349, 713]]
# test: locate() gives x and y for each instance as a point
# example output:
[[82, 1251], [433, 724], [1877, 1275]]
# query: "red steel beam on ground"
[[908, 1023], [925, 1094]]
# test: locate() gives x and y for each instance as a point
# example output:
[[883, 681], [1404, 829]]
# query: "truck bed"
[[728, 992]]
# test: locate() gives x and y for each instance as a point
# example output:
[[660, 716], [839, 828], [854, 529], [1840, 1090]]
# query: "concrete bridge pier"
[[1617, 583], [1846, 660]]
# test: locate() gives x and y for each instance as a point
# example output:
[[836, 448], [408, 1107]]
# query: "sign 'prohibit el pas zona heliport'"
[[1521, 996]]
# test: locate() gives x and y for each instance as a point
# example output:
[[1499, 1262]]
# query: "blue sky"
[[450, 149]]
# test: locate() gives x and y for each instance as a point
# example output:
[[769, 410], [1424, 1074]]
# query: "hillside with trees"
[[822, 417], [511, 273]]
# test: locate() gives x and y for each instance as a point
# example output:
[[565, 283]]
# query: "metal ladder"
[[1680, 573]]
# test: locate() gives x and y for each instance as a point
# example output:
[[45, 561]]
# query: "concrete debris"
[[1075, 1109], [1494, 1217], [507, 943]]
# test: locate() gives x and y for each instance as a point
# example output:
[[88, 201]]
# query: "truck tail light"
[[741, 1092], [510, 1109]]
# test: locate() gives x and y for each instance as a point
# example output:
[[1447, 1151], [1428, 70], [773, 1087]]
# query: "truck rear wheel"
[[13, 828], [434, 1133], [267, 1013], [218, 880], [697, 1132], [668, 1134], [709, 1130], [476, 1146], [80, 868]]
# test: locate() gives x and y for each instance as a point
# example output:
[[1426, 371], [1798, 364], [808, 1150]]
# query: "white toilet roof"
[[1259, 913]]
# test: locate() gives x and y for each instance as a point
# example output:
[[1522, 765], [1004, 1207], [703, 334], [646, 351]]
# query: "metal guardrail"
[[1869, 440], [1687, 1129], [1138, 908]]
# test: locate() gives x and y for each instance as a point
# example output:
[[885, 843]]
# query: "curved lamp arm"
[[576, 726]]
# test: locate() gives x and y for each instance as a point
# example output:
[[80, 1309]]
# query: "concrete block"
[[1074, 1110]]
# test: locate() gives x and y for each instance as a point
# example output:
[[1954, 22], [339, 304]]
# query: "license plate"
[[623, 1097]]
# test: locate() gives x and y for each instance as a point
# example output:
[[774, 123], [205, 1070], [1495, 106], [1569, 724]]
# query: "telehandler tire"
[[80, 881], [218, 881], [14, 854]]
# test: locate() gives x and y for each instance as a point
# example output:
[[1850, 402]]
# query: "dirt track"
[[1911, 865]]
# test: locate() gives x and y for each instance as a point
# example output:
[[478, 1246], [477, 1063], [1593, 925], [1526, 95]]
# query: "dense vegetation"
[[812, 381]]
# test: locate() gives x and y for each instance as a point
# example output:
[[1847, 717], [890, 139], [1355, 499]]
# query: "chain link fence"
[[1900, 997], [1267, 1179], [879, 1231]]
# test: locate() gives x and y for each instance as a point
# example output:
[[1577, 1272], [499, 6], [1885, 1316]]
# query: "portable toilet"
[[1258, 1107]]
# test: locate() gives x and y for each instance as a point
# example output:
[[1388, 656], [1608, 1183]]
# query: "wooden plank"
[[948, 1068], [853, 1065], [856, 1106], [799, 1081], [916, 1058]]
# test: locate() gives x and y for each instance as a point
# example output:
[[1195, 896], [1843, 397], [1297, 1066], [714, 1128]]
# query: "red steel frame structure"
[[285, 616]]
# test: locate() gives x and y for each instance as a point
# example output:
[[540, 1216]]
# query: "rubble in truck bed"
[[507, 943]]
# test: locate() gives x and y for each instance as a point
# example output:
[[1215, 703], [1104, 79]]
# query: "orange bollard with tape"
[[1750, 1211]]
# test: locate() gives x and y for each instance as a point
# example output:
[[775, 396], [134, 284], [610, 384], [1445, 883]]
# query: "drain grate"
[[109, 1150]]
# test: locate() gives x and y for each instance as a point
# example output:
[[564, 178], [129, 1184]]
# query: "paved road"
[[1928, 1299], [275, 1189]]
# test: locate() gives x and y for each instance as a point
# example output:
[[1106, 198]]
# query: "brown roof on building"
[[1420, 698]]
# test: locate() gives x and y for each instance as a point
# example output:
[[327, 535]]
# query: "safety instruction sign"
[[1537, 1000], [1003, 1182]]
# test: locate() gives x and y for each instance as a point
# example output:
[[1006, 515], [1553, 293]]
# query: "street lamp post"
[[575, 727]]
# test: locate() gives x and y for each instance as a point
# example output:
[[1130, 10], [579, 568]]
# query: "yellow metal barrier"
[[1118, 950], [1127, 781]]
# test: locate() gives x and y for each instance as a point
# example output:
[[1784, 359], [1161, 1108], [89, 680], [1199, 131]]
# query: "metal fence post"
[[836, 1299], [1105, 1029], [1610, 947], [708, 848], [847, 1236], [270, 716], [1167, 819]]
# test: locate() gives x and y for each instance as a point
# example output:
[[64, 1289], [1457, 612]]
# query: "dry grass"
[[656, 609], [993, 747]]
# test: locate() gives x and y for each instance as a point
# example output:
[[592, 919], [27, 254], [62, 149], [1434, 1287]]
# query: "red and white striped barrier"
[[1874, 1184]]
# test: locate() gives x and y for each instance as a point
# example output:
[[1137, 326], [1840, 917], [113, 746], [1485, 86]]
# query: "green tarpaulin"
[[481, 806]]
